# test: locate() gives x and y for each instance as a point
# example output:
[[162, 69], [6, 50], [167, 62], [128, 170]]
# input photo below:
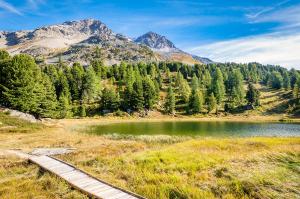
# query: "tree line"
[[61, 91]]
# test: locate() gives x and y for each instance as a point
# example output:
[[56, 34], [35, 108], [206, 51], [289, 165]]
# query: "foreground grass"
[[19, 179], [203, 168], [157, 167], [14, 125]]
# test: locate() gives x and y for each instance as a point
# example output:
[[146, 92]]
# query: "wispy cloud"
[[9, 7], [277, 48], [34, 4], [188, 21], [266, 10], [286, 16]]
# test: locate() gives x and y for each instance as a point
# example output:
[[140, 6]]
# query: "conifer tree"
[[296, 92], [64, 106], [48, 101], [137, 95], [149, 92], [169, 105], [235, 88], [286, 81], [62, 87], [110, 99], [22, 89], [211, 103], [252, 95], [91, 85], [195, 83], [207, 80], [196, 101], [184, 91], [218, 86], [76, 81], [276, 80]]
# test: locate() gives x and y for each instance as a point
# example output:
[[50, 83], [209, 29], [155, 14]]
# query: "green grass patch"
[[10, 124]]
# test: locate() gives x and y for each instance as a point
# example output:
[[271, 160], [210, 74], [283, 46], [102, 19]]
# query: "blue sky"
[[214, 28]]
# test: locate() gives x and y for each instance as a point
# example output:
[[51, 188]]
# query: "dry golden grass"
[[200, 168], [19, 179], [155, 168]]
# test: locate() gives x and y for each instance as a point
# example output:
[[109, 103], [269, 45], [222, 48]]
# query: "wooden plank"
[[81, 180]]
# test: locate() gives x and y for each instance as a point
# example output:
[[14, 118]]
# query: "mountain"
[[156, 42], [81, 41], [75, 41], [167, 50]]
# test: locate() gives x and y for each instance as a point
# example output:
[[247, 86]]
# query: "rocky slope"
[[167, 50], [80, 41]]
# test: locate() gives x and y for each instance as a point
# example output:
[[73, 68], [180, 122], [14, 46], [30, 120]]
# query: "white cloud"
[[10, 8], [35, 3], [277, 48], [288, 18], [266, 10]]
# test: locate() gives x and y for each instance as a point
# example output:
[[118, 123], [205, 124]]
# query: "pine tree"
[[62, 87], [296, 90], [170, 102], [48, 100], [239, 91], [218, 86], [64, 106], [76, 81], [22, 89], [195, 83], [286, 81], [137, 96], [276, 80], [110, 100], [179, 79], [91, 85], [150, 94], [235, 87], [211, 103], [184, 91], [196, 101], [206, 81], [252, 95], [294, 76]]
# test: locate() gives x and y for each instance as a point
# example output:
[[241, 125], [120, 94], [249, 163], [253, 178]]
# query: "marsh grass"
[[150, 139], [14, 125], [203, 168], [158, 167], [19, 179]]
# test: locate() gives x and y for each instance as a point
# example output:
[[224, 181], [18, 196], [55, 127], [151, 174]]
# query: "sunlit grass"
[[204, 168], [19, 179], [13, 125], [158, 166]]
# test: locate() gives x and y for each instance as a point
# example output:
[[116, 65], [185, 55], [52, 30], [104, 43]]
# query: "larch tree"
[[218, 86], [253, 95], [169, 104]]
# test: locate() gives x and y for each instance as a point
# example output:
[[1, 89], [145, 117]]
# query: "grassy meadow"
[[153, 166]]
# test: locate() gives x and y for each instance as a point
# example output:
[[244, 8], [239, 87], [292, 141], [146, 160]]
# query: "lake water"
[[192, 128]]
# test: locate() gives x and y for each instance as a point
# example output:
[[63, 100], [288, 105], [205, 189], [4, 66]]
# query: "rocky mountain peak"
[[155, 41], [73, 28]]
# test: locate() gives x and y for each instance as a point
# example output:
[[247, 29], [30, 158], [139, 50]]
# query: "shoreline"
[[114, 119]]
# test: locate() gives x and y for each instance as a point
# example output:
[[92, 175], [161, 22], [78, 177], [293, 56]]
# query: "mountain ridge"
[[75, 41]]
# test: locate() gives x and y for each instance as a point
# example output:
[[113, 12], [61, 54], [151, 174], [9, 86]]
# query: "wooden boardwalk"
[[79, 179]]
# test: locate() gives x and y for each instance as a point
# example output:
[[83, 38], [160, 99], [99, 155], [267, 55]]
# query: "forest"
[[62, 91]]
